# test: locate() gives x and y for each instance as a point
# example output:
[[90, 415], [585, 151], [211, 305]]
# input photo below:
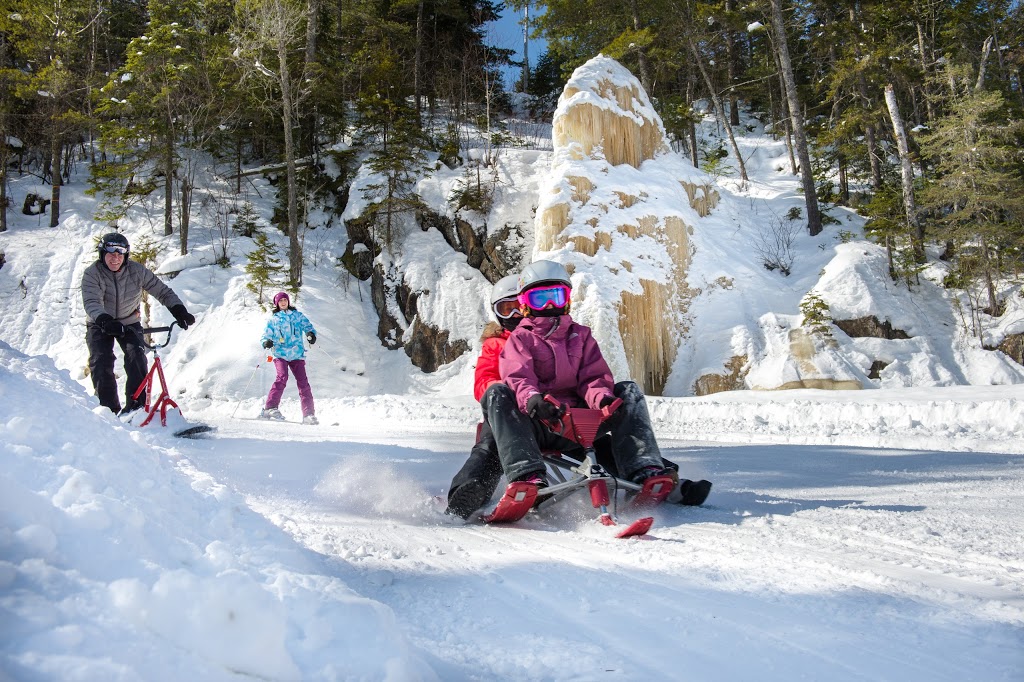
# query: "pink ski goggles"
[[555, 296]]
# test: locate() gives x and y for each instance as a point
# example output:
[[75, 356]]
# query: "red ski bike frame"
[[156, 371]]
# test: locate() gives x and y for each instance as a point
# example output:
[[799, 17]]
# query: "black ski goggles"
[[115, 248]]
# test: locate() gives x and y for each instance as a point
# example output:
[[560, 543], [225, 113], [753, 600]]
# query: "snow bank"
[[122, 561]]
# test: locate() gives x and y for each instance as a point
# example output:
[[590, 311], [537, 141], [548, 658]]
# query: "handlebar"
[[156, 330]]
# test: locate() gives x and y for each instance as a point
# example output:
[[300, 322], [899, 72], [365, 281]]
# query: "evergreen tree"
[[975, 192], [47, 36], [388, 126], [161, 97], [263, 267]]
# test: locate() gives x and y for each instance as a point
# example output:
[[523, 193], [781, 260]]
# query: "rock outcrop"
[[628, 261]]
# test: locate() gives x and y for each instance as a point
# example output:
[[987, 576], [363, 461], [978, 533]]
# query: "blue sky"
[[507, 33]]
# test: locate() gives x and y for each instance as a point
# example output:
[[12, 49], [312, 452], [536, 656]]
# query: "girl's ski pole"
[[246, 389], [327, 354]]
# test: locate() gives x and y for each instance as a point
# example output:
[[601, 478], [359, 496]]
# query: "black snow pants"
[[520, 439], [101, 365]]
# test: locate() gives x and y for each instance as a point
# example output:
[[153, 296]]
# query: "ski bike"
[[163, 401]]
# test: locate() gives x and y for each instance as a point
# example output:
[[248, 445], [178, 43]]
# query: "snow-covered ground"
[[284, 552], [851, 535]]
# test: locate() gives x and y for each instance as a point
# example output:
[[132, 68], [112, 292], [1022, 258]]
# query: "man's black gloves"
[[268, 344], [541, 408], [182, 316], [109, 325], [311, 337]]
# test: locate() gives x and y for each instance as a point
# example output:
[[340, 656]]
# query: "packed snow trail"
[[834, 562]]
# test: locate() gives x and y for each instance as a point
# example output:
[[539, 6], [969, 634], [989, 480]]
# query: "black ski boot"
[[694, 492], [468, 498]]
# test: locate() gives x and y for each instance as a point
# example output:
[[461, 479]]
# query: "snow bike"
[[568, 475], [163, 400]]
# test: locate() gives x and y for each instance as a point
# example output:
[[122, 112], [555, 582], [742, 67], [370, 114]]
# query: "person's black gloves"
[[110, 326], [268, 344], [541, 408], [311, 337], [182, 316], [610, 400]]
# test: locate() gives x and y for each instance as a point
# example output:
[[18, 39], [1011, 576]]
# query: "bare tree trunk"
[[4, 155], [730, 50], [294, 247], [185, 206], [799, 136], [526, 47], [916, 228], [876, 166], [869, 129], [990, 285], [691, 127], [55, 177], [723, 119], [844, 180], [645, 75], [312, 30], [238, 163], [924, 71], [786, 121], [4, 148], [417, 85], [986, 50], [168, 186]]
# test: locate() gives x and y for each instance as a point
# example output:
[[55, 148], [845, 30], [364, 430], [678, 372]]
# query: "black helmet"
[[113, 242]]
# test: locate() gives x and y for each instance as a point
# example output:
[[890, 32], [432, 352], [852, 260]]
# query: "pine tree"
[[162, 95], [388, 125], [263, 267], [975, 192], [247, 222]]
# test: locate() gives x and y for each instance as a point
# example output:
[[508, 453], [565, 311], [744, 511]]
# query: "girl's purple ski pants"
[[298, 368]]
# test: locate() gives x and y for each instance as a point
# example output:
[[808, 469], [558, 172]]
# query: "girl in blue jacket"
[[284, 334]]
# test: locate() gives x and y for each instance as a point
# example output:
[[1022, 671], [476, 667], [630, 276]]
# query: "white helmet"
[[506, 287], [543, 272]]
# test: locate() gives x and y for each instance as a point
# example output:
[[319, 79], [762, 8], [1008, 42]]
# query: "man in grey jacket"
[[112, 293]]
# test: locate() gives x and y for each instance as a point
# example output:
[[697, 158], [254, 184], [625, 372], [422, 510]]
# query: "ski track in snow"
[[831, 561]]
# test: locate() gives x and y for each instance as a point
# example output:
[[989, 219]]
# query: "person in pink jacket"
[[550, 362]]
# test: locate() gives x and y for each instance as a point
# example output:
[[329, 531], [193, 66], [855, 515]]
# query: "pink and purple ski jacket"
[[557, 356]]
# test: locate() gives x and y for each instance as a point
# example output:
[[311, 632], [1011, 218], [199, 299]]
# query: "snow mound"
[[113, 547]]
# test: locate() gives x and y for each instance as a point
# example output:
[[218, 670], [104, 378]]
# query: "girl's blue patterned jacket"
[[287, 329]]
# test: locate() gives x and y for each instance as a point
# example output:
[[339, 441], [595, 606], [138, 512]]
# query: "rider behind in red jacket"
[[475, 482]]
